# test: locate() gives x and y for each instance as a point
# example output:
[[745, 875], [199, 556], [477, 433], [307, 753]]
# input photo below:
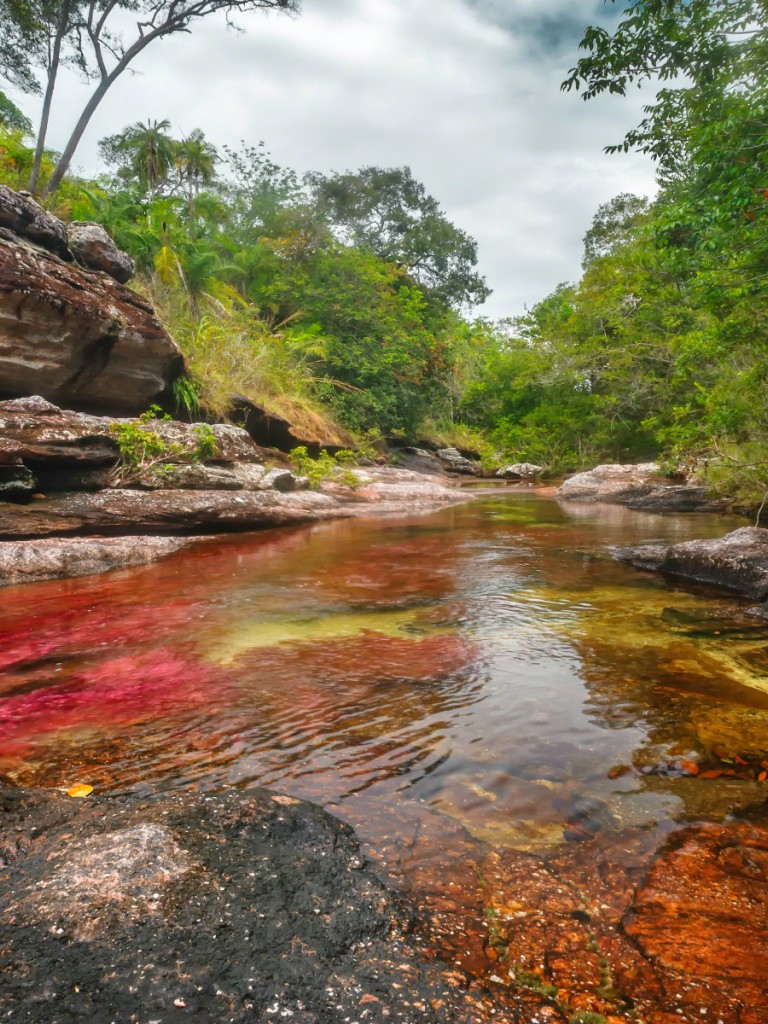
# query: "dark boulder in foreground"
[[738, 561], [230, 907]]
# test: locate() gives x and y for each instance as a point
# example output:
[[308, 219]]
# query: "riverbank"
[[89, 494], [245, 905]]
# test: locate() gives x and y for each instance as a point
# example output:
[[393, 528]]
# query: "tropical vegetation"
[[348, 298]]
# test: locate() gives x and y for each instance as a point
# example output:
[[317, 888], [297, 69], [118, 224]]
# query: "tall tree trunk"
[[69, 150], [61, 29]]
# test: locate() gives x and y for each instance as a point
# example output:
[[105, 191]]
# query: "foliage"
[[12, 119], [387, 212], [102, 40], [143, 449], [325, 467]]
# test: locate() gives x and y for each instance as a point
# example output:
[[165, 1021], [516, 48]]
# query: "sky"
[[465, 92]]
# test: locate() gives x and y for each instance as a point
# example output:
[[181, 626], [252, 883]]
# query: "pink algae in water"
[[118, 691]]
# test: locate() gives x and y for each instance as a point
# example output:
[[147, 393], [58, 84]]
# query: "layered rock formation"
[[642, 487], [78, 337], [737, 562], [70, 505]]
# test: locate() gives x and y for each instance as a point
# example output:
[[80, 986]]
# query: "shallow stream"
[[490, 662]]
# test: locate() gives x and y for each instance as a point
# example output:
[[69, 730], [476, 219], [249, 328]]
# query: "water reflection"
[[490, 663]]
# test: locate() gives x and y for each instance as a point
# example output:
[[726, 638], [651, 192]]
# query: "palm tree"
[[196, 160], [150, 152]]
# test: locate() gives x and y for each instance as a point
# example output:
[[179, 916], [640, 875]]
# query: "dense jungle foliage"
[[348, 297]]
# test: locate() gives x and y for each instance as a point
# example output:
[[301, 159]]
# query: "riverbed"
[[486, 676]]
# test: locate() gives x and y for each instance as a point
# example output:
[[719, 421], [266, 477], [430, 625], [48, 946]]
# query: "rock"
[[614, 483], [16, 483], [30, 561], [230, 907], [520, 471], [129, 512], [682, 498], [455, 462], [93, 248], [39, 433], [717, 877], [738, 561], [640, 487], [273, 431], [79, 338], [283, 480], [22, 215], [732, 729], [200, 477], [420, 460]]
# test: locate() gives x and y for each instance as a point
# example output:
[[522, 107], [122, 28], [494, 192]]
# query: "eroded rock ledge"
[[642, 487], [736, 562], [238, 906], [67, 509]]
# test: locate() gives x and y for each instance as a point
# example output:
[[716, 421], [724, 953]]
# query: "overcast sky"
[[464, 91]]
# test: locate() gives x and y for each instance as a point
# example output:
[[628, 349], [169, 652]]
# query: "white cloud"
[[464, 91]]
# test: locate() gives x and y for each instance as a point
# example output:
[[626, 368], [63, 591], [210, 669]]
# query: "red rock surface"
[[640, 927]]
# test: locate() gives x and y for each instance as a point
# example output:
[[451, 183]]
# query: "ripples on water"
[[489, 662]]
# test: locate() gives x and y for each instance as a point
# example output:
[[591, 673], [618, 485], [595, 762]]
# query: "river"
[[486, 671]]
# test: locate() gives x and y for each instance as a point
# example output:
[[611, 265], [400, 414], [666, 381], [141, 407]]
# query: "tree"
[[145, 150], [707, 128], [12, 118], [90, 35], [613, 224], [389, 213], [196, 161]]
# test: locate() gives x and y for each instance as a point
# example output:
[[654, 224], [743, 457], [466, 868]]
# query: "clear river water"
[[490, 663]]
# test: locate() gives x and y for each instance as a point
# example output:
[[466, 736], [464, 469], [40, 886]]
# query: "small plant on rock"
[[144, 450], [325, 468]]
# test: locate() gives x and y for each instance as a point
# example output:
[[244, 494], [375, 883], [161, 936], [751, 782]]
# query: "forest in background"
[[349, 297]]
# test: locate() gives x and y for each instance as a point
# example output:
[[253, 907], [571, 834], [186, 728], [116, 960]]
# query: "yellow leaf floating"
[[80, 790]]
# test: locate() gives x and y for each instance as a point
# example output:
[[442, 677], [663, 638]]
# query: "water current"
[[490, 664]]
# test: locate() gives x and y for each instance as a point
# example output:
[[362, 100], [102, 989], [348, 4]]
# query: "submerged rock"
[[230, 907], [32, 561], [738, 561]]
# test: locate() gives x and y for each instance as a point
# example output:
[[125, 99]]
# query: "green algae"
[[265, 632]]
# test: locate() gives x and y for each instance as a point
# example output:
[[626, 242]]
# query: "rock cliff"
[[69, 332]]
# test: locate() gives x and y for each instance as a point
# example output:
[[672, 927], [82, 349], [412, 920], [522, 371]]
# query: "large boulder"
[[525, 471], [93, 248], [614, 483], [79, 338], [25, 218], [455, 462], [738, 561]]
